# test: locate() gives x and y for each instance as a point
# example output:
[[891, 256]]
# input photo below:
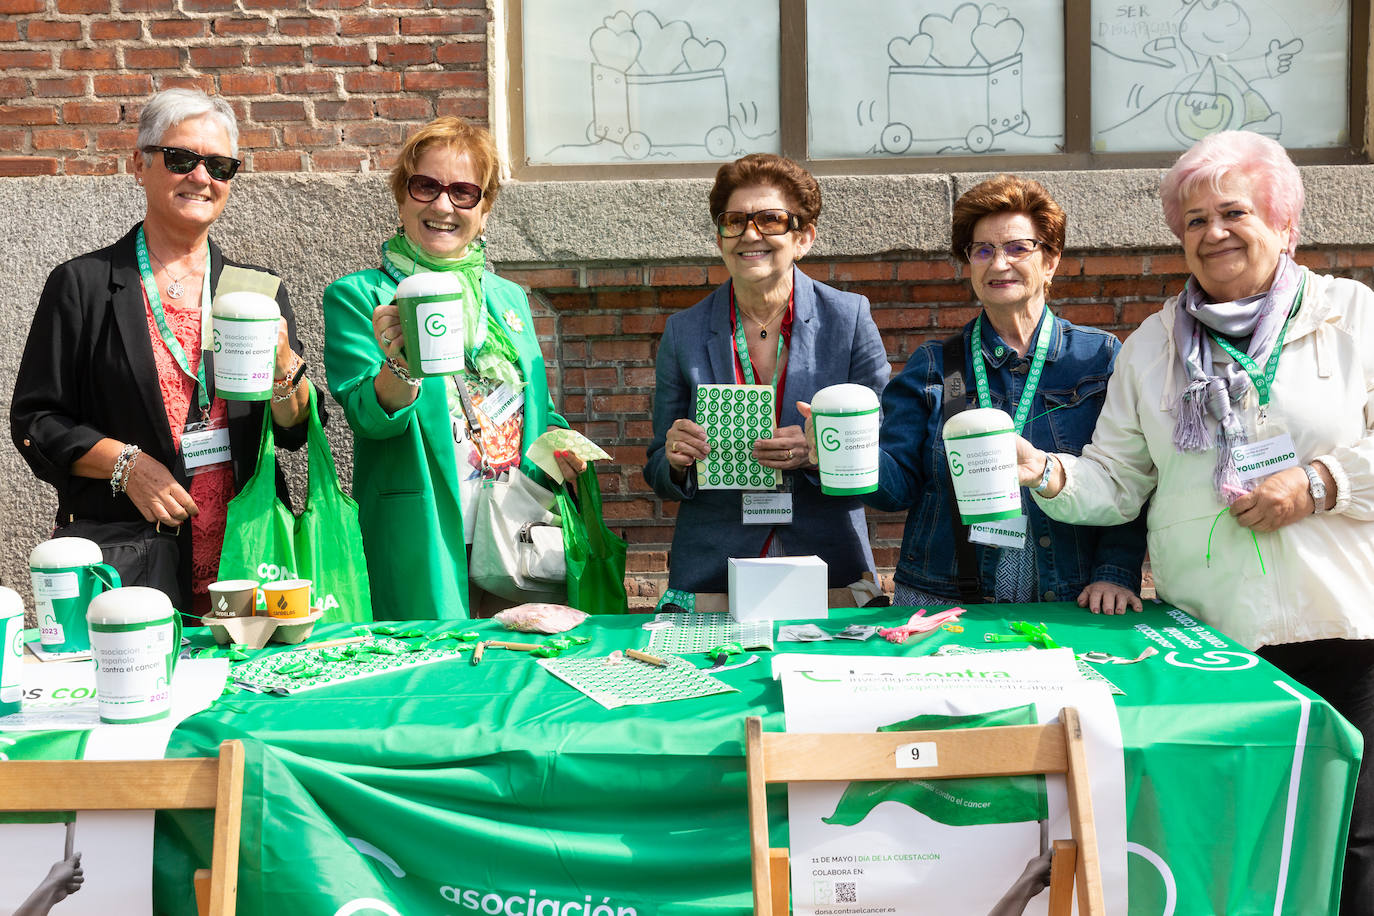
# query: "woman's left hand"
[[1108, 598], [285, 355], [785, 451], [570, 465], [1281, 499]]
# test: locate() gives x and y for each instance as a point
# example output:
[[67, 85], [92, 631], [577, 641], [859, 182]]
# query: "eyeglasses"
[[732, 223], [1015, 250], [464, 194], [180, 161]]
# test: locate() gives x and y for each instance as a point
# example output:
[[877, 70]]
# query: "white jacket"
[[1313, 579]]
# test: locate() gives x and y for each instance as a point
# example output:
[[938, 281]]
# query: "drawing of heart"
[[617, 51], [1000, 41], [619, 23], [910, 52], [660, 46], [953, 44], [993, 14], [702, 55]]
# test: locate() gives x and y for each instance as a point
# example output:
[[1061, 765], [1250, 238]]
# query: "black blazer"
[[88, 373]]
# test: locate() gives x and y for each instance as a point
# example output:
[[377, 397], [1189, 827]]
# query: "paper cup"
[[288, 598], [233, 598], [66, 574], [431, 309], [135, 638], [245, 331], [12, 652], [980, 446], [846, 420]]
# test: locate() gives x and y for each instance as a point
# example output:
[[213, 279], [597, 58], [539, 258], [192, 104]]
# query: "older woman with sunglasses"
[[113, 389], [773, 325], [416, 463], [1050, 376]]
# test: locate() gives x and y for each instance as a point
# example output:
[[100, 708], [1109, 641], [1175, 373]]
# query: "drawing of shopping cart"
[[643, 110], [952, 104]]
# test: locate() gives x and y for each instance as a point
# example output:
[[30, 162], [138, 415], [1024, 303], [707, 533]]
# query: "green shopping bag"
[[264, 541], [595, 555]]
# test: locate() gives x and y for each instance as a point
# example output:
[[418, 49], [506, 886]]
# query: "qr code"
[[845, 892]]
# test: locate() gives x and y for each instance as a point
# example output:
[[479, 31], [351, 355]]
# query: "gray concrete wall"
[[312, 228]]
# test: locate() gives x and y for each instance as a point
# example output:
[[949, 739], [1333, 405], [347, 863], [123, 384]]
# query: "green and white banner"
[[957, 845]]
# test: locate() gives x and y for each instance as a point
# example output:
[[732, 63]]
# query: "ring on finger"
[[386, 341], [675, 447], [789, 454]]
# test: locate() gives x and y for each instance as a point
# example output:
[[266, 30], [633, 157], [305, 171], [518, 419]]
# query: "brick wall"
[[318, 85], [601, 326]]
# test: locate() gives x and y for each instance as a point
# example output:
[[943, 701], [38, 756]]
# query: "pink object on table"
[[919, 623]]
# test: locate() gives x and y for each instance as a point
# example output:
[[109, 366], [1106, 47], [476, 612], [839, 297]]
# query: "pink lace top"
[[213, 487]]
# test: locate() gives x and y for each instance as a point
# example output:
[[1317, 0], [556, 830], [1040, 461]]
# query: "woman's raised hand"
[[685, 444], [808, 433], [386, 329]]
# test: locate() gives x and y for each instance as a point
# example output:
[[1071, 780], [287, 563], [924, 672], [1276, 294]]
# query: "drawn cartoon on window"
[[1167, 74], [941, 78], [611, 82]]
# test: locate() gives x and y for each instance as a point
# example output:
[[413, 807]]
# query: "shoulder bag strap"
[[955, 400]]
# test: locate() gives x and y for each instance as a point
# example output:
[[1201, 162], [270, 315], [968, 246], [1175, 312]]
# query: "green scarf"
[[490, 352]]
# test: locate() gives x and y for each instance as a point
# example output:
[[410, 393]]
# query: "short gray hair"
[[168, 108]]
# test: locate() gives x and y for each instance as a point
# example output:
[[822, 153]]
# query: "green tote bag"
[[264, 541], [595, 555]]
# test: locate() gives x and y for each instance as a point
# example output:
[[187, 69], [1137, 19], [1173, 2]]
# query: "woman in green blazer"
[[414, 459]]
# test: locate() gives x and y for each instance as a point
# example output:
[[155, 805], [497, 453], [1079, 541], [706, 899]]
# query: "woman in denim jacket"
[[1010, 232]]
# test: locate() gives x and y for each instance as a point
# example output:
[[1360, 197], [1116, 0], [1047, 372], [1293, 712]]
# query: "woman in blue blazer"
[[769, 324]]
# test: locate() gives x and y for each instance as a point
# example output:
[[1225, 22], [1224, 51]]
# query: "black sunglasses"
[[180, 161], [464, 194]]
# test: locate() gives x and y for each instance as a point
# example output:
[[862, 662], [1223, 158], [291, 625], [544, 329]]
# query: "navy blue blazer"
[[834, 340]]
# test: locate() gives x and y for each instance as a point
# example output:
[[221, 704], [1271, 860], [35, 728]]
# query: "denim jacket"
[[914, 475]]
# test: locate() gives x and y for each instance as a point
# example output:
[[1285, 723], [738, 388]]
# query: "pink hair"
[[1275, 185]]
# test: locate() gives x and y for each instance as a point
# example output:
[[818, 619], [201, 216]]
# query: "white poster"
[[1166, 75], [935, 78], [629, 80], [110, 851], [969, 847]]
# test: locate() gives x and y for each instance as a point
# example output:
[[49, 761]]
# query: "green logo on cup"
[[217, 343], [434, 325], [830, 440], [18, 644], [956, 466]]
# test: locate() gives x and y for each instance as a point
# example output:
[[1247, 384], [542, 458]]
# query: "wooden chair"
[[117, 785], [779, 757]]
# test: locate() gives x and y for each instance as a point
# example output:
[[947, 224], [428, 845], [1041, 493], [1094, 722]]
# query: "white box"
[[778, 588]]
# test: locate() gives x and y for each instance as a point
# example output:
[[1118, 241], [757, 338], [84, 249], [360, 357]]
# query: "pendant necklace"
[[763, 325], [174, 288]]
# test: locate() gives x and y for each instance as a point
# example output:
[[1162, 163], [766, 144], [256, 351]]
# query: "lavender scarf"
[[1212, 393]]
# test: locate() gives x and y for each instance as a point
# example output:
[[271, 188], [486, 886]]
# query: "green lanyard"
[[980, 372], [1263, 381], [742, 349], [165, 331]]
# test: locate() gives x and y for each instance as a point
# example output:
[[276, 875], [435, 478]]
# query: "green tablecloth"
[[498, 788]]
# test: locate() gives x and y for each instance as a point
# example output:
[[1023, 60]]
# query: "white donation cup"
[[245, 346], [135, 638], [845, 419], [980, 446]]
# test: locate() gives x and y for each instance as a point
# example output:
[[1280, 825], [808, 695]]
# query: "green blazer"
[[405, 475]]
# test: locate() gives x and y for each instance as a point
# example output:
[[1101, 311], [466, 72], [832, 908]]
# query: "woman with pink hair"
[[1244, 411]]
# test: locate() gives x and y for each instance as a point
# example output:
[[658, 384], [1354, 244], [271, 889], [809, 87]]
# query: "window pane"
[[934, 78], [1167, 75], [658, 81]]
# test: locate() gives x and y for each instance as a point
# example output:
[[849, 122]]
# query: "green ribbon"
[[165, 331], [1037, 368]]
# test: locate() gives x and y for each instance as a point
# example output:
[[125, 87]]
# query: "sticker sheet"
[[309, 669], [734, 416], [630, 682], [701, 632]]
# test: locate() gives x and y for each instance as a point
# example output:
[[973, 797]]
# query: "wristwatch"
[[1316, 488]]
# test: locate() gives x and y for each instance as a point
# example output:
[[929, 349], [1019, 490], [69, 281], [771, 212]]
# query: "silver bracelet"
[[123, 466], [291, 381], [401, 372], [1044, 483]]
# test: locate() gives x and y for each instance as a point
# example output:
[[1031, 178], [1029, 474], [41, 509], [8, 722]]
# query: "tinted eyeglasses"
[[180, 161], [732, 223], [463, 194], [1015, 250]]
